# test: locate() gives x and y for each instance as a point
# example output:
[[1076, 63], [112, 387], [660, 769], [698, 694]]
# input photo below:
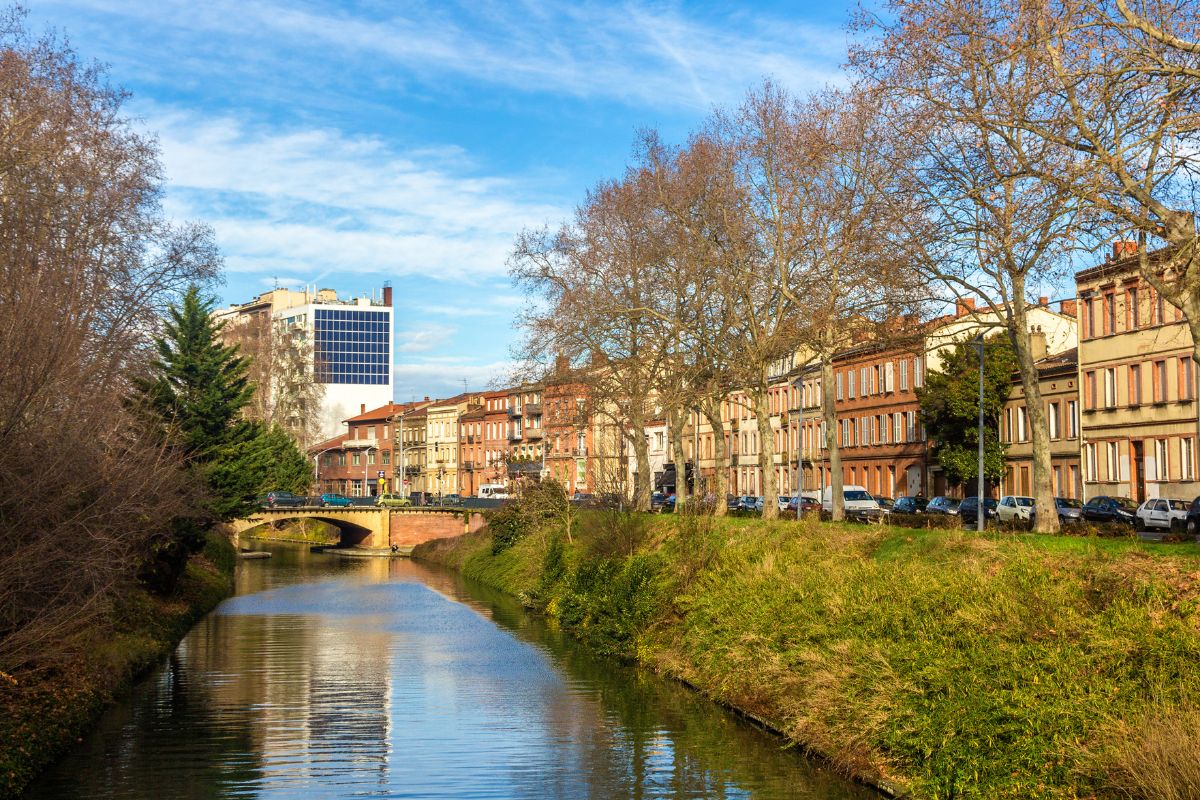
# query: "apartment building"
[[441, 443], [1058, 384], [410, 429], [472, 467], [568, 436], [495, 438], [359, 462], [526, 437], [1138, 392]]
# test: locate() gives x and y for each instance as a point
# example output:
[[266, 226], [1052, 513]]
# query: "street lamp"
[[982, 512]]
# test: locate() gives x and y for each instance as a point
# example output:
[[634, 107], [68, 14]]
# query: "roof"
[[329, 444], [1116, 266], [384, 413]]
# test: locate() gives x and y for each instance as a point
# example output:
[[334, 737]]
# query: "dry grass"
[[1158, 758]]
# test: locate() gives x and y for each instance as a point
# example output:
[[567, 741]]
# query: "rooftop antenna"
[[464, 380]]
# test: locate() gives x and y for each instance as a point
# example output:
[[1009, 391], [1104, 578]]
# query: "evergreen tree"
[[950, 409], [199, 386]]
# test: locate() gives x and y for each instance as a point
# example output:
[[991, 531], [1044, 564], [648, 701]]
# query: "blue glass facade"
[[352, 346]]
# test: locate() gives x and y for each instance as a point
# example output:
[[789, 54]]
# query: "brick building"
[[1058, 383]]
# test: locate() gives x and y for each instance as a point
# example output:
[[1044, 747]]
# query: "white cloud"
[[423, 340], [337, 203], [442, 378]]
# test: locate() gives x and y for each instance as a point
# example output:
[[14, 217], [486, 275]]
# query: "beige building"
[[1058, 382], [1138, 386], [441, 443]]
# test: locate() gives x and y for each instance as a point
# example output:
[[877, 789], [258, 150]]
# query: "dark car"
[[451, 500], [886, 503], [421, 498], [662, 502], [910, 505], [942, 505], [582, 498], [335, 499], [968, 510], [1110, 509], [1193, 517], [282, 500], [732, 502]]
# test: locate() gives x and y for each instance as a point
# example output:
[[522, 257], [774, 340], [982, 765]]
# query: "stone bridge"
[[374, 528]]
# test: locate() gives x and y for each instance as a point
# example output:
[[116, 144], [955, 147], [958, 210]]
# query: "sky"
[[345, 144]]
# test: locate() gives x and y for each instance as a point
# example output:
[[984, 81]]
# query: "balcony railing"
[[579, 452], [533, 409], [469, 466], [412, 469], [358, 444], [514, 412], [533, 433], [527, 467], [514, 436]]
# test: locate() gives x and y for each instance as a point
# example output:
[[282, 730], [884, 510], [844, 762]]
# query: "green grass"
[[956, 665]]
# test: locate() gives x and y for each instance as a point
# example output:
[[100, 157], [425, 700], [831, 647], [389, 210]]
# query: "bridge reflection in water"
[[334, 678], [370, 527]]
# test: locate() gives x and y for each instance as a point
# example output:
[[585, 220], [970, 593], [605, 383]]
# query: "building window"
[[1112, 461], [1162, 470], [1110, 387], [1090, 459], [1089, 389], [341, 459], [918, 378], [386, 456], [904, 375], [370, 456], [1132, 321], [850, 384], [839, 386], [1186, 463], [356, 459], [898, 428], [1185, 378], [1022, 427], [1052, 422], [1110, 313], [1135, 384], [1072, 419], [1160, 381], [1089, 318]]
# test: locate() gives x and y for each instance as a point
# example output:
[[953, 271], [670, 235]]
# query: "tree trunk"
[[711, 409], [766, 454], [1039, 433], [675, 422], [643, 485], [829, 413]]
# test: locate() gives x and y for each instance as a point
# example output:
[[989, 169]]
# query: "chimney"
[[1037, 343], [561, 365], [1067, 308], [362, 408], [426, 398], [1123, 249], [1044, 302], [387, 296], [964, 306]]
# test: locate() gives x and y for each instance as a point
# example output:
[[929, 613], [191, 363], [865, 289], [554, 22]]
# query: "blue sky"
[[348, 144]]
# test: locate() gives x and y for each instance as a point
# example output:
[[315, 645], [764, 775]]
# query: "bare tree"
[[979, 221], [87, 264], [283, 371], [593, 297]]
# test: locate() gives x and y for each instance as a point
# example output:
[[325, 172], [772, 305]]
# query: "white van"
[[856, 500], [494, 491]]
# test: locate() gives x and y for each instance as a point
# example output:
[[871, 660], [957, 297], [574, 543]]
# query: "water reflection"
[[333, 678]]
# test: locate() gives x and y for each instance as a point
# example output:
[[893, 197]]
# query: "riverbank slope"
[[934, 662], [43, 713]]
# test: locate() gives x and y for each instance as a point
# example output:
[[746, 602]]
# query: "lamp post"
[[982, 512]]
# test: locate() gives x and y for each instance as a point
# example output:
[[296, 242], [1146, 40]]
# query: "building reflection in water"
[[333, 678]]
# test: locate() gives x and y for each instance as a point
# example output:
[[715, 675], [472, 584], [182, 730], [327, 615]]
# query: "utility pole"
[[982, 512]]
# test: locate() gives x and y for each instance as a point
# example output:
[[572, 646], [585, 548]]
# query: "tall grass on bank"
[[950, 664]]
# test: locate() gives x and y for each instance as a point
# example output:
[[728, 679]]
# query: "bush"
[[925, 521]]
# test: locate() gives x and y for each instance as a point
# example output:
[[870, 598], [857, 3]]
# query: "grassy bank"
[[43, 712], [312, 531], [937, 662]]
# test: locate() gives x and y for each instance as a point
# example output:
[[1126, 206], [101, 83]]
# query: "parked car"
[[660, 501], [582, 498], [334, 499], [495, 491], [1193, 517], [749, 502], [942, 505], [451, 500], [1161, 514], [732, 502], [804, 501], [886, 503], [1110, 509], [1015, 508], [1070, 510], [910, 505], [968, 510], [857, 503], [782, 502], [282, 500], [392, 501]]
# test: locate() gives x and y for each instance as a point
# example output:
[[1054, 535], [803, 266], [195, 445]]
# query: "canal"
[[329, 677]]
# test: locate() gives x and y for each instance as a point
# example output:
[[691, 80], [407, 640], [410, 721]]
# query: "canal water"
[[327, 677]]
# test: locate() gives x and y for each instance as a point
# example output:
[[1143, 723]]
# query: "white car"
[[857, 503], [1015, 508], [1159, 513], [783, 501]]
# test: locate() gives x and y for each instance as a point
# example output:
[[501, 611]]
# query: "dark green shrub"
[[925, 521]]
